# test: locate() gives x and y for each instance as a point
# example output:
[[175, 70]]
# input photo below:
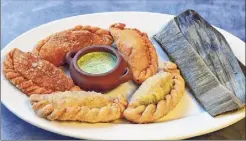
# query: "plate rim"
[[106, 13]]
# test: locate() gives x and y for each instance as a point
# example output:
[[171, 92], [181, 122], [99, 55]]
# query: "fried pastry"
[[155, 98], [55, 47], [33, 75], [78, 106], [171, 67], [137, 50]]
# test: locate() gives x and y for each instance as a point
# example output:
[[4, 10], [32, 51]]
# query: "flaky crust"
[[137, 50], [78, 106], [138, 113], [33, 75], [55, 47]]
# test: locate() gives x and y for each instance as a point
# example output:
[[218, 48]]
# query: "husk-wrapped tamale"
[[214, 50], [206, 61]]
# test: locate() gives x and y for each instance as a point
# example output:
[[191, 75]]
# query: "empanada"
[[78, 106], [137, 50], [33, 75], [155, 98], [55, 47]]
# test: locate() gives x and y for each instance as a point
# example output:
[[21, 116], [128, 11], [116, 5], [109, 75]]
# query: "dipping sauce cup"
[[98, 68]]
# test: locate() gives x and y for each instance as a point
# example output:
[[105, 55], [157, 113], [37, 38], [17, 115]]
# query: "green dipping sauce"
[[97, 62]]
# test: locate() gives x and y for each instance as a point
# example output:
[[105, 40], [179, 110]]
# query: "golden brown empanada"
[[155, 98], [55, 47], [78, 106], [137, 50], [33, 75]]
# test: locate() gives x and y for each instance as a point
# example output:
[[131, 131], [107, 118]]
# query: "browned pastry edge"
[[152, 112], [170, 67], [92, 29], [26, 86], [150, 51], [153, 58], [45, 109]]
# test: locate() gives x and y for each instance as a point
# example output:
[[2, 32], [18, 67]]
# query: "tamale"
[[206, 61], [213, 48]]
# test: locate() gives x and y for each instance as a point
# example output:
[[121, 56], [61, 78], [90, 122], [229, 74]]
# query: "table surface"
[[19, 16]]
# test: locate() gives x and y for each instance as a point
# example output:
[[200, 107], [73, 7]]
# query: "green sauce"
[[97, 62]]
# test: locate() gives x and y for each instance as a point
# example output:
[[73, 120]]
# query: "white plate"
[[188, 119]]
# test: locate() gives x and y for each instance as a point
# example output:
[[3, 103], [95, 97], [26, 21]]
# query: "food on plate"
[[55, 47], [78, 106], [155, 98], [137, 50], [105, 67], [33, 75], [206, 62], [203, 57], [171, 67], [97, 62], [213, 48]]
